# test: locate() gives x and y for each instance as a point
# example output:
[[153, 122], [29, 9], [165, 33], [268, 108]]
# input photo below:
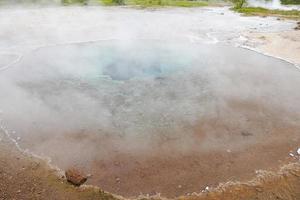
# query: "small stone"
[[179, 186], [298, 151], [246, 133], [75, 177]]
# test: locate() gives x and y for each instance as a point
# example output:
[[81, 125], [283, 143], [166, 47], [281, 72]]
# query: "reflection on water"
[[275, 4]]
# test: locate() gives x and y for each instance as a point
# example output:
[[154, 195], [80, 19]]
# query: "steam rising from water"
[[273, 4], [88, 104], [140, 90]]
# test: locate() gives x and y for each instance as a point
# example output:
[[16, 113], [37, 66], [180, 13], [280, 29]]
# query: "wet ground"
[[155, 110]]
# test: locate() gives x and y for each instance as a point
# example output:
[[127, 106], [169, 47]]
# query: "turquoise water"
[[143, 87], [118, 62]]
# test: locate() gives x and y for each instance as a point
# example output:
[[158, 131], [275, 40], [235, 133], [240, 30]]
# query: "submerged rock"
[[75, 177]]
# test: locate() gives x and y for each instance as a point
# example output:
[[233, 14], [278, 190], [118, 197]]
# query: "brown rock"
[[75, 177]]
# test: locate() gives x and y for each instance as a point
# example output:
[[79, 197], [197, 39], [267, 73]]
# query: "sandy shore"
[[285, 44], [25, 177]]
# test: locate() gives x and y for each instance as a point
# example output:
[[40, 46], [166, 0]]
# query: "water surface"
[[115, 107]]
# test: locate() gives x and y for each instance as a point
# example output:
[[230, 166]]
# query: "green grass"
[[257, 11], [290, 2], [144, 3], [157, 3], [179, 3]]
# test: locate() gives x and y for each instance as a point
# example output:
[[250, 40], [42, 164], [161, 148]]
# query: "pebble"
[[75, 177]]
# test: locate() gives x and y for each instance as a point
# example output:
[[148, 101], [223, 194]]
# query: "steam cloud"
[[149, 84]]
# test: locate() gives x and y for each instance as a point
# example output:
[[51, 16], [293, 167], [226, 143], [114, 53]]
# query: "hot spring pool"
[[153, 114], [111, 60]]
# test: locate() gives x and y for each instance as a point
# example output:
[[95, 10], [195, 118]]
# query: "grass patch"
[[179, 3], [257, 11], [157, 3], [290, 2], [143, 3]]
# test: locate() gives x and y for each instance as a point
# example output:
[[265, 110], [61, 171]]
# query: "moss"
[[257, 11], [238, 3], [290, 2]]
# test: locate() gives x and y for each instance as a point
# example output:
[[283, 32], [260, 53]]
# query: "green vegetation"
[[238, 3], [287, 2], [181, 3], [239, 6], [257, 11], [144, 3]]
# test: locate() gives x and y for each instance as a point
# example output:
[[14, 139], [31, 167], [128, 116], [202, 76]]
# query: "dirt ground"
[[267, 143], [25, 177]]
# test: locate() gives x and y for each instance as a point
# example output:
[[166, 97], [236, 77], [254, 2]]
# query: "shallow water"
[[116, 107], [273, 4], [179, 116]]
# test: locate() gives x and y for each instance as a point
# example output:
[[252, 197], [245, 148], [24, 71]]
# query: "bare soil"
[[25, 177]]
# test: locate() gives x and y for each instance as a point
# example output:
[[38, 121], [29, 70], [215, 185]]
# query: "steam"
[[83, 84], [274, 4]]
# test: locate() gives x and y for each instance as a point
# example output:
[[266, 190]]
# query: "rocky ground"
[[25, 177]]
